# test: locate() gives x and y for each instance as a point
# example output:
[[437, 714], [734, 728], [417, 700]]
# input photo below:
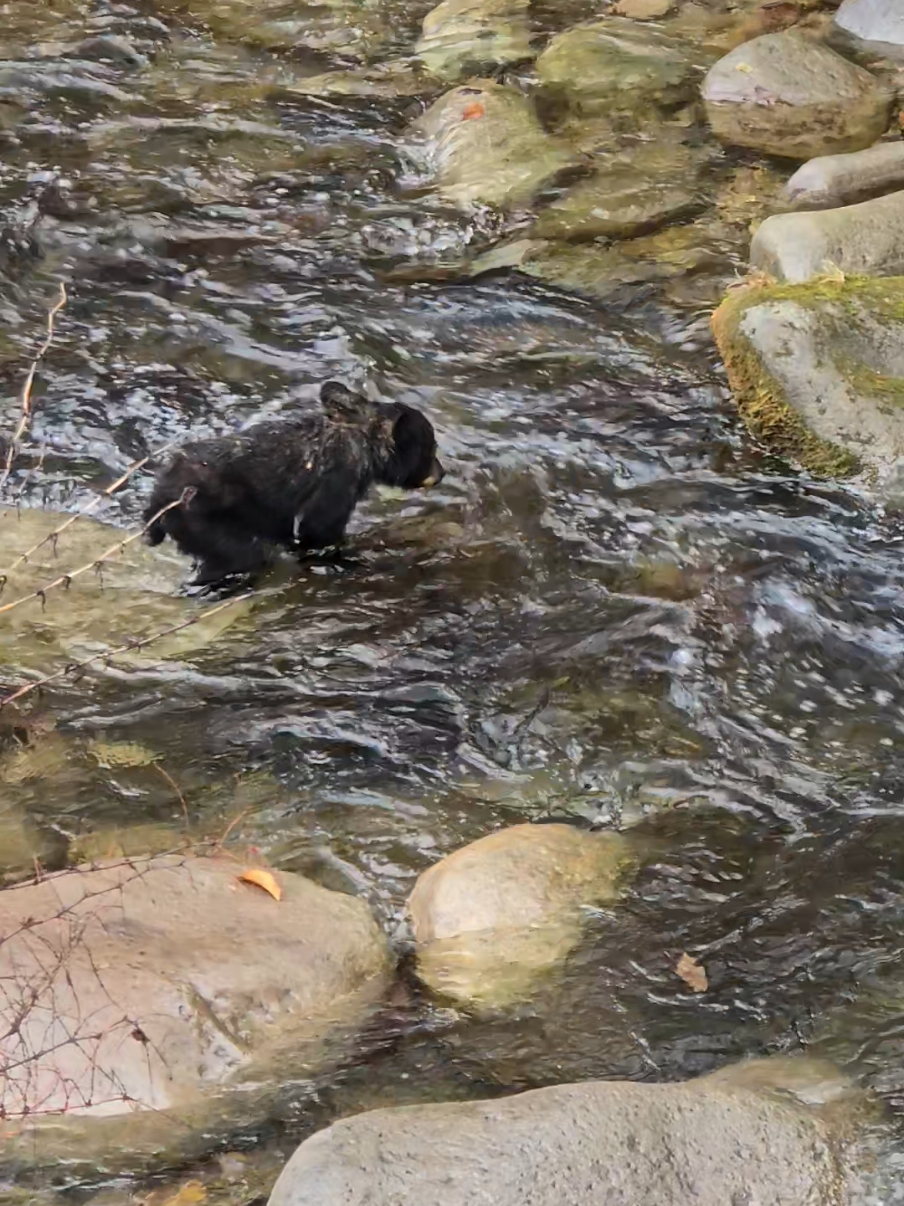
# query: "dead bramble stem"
[[114, 550], [128, 647], [92, 506], [26, 411]]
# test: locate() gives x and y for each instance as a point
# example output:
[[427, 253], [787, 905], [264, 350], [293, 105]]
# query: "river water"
[[615, 609]]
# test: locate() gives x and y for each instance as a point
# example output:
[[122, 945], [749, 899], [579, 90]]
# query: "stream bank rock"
[[132, 595], [784, 95], [830, 181], [864, 239], [817, 371], [614, 64], [465, 37], [494, 916], [159, 1001], [873, 26], [485, 146], [741, 1136]]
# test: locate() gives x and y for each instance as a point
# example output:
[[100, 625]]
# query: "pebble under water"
[[615, 609]]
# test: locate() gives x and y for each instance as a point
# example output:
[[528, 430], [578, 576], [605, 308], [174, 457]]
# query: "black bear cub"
[[290, 482]]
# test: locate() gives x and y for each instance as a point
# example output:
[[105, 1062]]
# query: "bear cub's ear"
[[341, 404]]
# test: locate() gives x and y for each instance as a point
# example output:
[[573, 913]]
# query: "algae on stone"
[[818, 371]]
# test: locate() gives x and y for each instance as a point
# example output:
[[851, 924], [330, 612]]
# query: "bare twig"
[[25, 416], [129, 646], [66, 579], [92, 506], [168, 778]]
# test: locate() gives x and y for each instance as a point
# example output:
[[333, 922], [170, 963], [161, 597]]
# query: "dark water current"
[[614, 609]]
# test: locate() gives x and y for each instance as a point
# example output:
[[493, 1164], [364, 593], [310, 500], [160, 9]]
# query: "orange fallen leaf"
[[262, 879], [692, 973], [189, 1194], [475, 109]]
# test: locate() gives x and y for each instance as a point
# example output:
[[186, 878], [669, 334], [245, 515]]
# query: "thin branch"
[[129, 646], [92, 506], [25, 416], [114, 549]]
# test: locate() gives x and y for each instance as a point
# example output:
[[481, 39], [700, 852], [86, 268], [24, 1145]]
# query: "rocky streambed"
[[548, 848]]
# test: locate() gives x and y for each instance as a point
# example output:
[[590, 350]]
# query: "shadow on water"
[[614, 609]]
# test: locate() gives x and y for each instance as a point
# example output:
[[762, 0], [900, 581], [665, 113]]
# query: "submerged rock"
[[785, 95], [864, 239], [615, 64], [596, 271], [168, 1000], [633, 192], [128, 597], [818, 371], [833, 180], [484, 145], [382, 81], [875, 26], [492, 917], [464, 37], [745, 1135]]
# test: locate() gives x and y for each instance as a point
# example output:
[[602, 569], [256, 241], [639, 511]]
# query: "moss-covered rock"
[[818, 371]]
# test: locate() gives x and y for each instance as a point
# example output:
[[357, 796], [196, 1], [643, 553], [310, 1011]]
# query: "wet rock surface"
[[785, 95], [485, 145], [864, 239], [836, 180], [614, 1142], [873, 26], [466, 37], [492, 917], [170, 996], [818, 372]]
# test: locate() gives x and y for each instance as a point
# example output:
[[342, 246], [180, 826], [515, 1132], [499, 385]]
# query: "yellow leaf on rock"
[[262, 879], [692, 973], [189, 1194]]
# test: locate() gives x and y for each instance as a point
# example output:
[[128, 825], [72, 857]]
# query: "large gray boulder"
[[860, 240], [785, 95], [876, 26], [148, 1003], [833, 180], [492, 918], [818, 372], [724, 1140]]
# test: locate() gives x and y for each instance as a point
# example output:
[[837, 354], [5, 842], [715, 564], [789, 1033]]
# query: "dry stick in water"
[[128, 647], [25, 417], [96, 563]]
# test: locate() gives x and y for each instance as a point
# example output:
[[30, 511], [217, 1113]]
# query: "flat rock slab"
[[158, 999], [875, 26], [818, 372], [709, 1142], [864, 239], [835, 180], [785, 95]]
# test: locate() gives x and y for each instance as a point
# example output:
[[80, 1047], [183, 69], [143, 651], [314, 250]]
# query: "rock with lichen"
[[817, 371]]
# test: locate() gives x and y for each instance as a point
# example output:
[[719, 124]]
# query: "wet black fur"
[[290, 482]]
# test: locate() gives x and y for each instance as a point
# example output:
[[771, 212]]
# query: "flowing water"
[[615, 609]]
